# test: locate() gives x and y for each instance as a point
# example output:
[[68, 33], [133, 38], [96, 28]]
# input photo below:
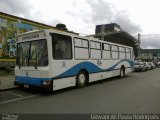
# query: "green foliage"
[[6, 57], [8, 69], [61, 26]]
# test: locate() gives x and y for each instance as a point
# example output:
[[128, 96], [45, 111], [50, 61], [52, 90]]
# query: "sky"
[[81, 16]]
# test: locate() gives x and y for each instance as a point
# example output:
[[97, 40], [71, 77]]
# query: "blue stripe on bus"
[[90, 67]]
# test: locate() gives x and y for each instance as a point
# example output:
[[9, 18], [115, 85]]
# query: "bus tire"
[[122, 72], [81, 79]]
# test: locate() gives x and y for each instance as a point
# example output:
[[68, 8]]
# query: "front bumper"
[[34, 82]]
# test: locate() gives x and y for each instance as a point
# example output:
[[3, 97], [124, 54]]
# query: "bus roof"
[[23, 36]]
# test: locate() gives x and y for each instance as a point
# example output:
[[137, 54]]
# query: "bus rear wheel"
[[122, 72], [81, 79]]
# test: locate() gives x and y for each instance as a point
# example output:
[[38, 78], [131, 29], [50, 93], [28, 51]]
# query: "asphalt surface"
[[138, 92]]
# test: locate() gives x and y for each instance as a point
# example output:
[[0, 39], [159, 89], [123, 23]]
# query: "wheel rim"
[[81, 78]]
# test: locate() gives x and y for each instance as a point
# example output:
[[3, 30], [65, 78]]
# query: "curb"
[[7, 89]]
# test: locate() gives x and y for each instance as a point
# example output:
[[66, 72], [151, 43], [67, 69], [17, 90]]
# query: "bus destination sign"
[[30, 37]]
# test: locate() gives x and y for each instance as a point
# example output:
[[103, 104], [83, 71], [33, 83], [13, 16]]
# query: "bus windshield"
[[32, 53]]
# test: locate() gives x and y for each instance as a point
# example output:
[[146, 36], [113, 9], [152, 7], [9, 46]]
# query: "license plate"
[[26, 86]]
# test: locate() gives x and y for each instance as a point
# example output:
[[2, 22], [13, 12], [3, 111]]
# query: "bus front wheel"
[[81, 79]]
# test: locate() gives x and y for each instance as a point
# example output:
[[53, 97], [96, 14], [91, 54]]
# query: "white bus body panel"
[[64, 83]]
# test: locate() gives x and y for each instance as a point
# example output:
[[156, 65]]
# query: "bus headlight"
[[47, 83]]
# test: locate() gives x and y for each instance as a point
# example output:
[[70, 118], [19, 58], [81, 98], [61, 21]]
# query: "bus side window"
[[62, 46], [106, 51], [95, 48], [115, 52], [122, 53], [128, 53], [81, 48]]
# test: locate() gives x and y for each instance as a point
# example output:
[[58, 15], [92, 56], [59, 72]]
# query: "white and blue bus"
[[54, 59]]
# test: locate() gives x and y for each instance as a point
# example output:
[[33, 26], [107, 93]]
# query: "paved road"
[[136, 93]]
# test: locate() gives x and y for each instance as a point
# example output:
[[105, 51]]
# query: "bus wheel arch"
[[82, 78], [122, 71]]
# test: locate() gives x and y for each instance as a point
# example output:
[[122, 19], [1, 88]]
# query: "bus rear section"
[[32, 62]]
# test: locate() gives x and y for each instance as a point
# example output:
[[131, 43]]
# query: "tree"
[[61, 26]]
